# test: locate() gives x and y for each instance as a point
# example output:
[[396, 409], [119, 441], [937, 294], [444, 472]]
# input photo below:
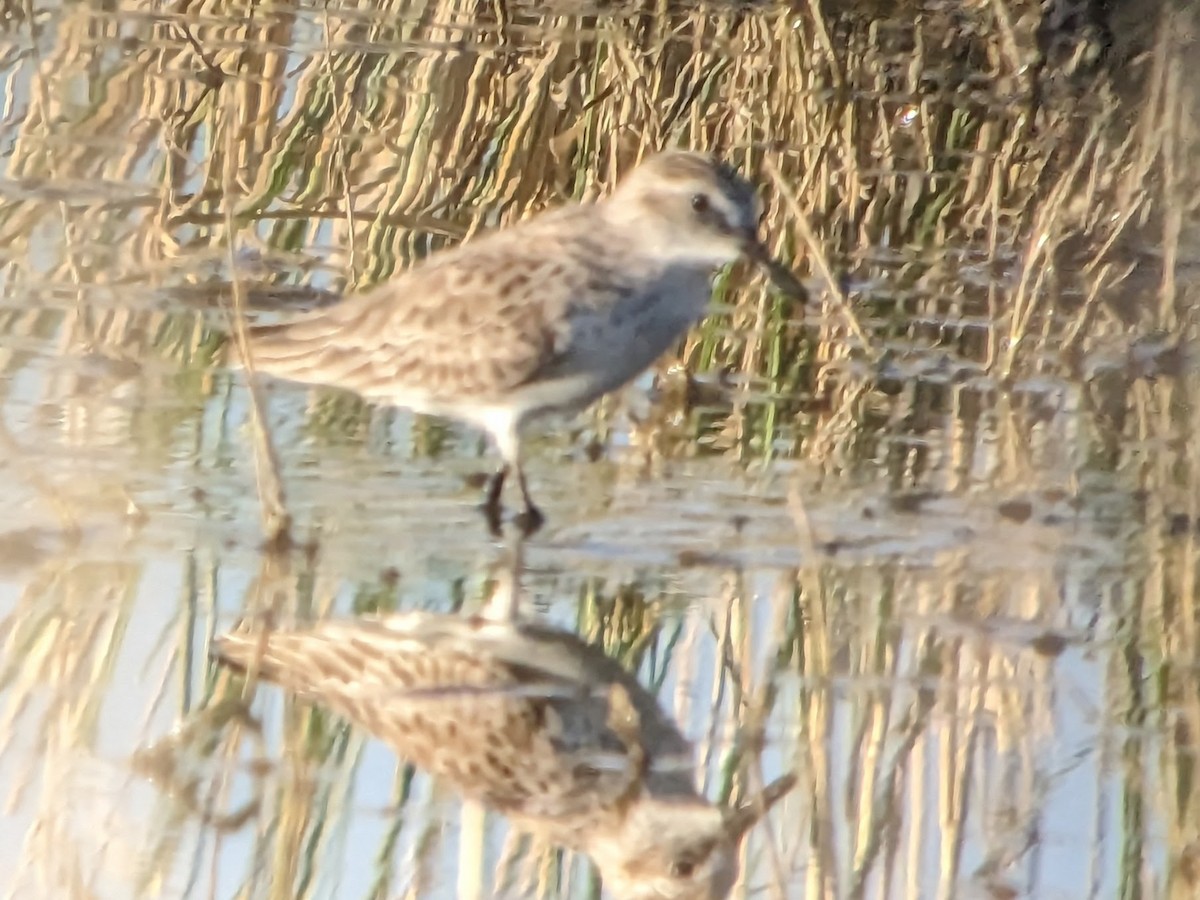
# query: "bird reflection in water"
[[530, 721]]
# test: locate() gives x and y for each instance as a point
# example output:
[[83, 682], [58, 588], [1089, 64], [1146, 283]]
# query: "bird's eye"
[[682, 868], [700, 203]]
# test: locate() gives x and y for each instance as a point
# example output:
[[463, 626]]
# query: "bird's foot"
[[527, 522], [530, 521]]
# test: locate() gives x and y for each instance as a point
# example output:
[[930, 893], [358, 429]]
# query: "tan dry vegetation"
[[1025, 219]]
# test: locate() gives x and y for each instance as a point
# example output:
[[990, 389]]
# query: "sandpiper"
[[539, 318]]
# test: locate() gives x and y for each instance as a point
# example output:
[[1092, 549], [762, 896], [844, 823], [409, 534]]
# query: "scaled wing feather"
[[499, 292]]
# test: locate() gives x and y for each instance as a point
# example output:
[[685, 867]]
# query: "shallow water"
[[944, 551]]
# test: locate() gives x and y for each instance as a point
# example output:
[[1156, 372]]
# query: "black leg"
[[531, 519], [492, 509]]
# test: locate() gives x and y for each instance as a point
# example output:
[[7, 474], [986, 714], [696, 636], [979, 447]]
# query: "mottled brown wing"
[[476, 321]]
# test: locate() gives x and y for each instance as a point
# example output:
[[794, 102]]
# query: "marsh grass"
[[944, 196]]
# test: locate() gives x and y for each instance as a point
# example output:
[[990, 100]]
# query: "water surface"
[[936, 531]]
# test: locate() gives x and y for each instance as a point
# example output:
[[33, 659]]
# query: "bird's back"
[[469, 319]]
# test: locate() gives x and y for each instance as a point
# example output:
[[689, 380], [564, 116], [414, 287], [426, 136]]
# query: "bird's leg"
[[491, 504], [506, 431], [531, 519]]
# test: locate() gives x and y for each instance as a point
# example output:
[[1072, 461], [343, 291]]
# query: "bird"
[[532, 722], [537, 319]]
